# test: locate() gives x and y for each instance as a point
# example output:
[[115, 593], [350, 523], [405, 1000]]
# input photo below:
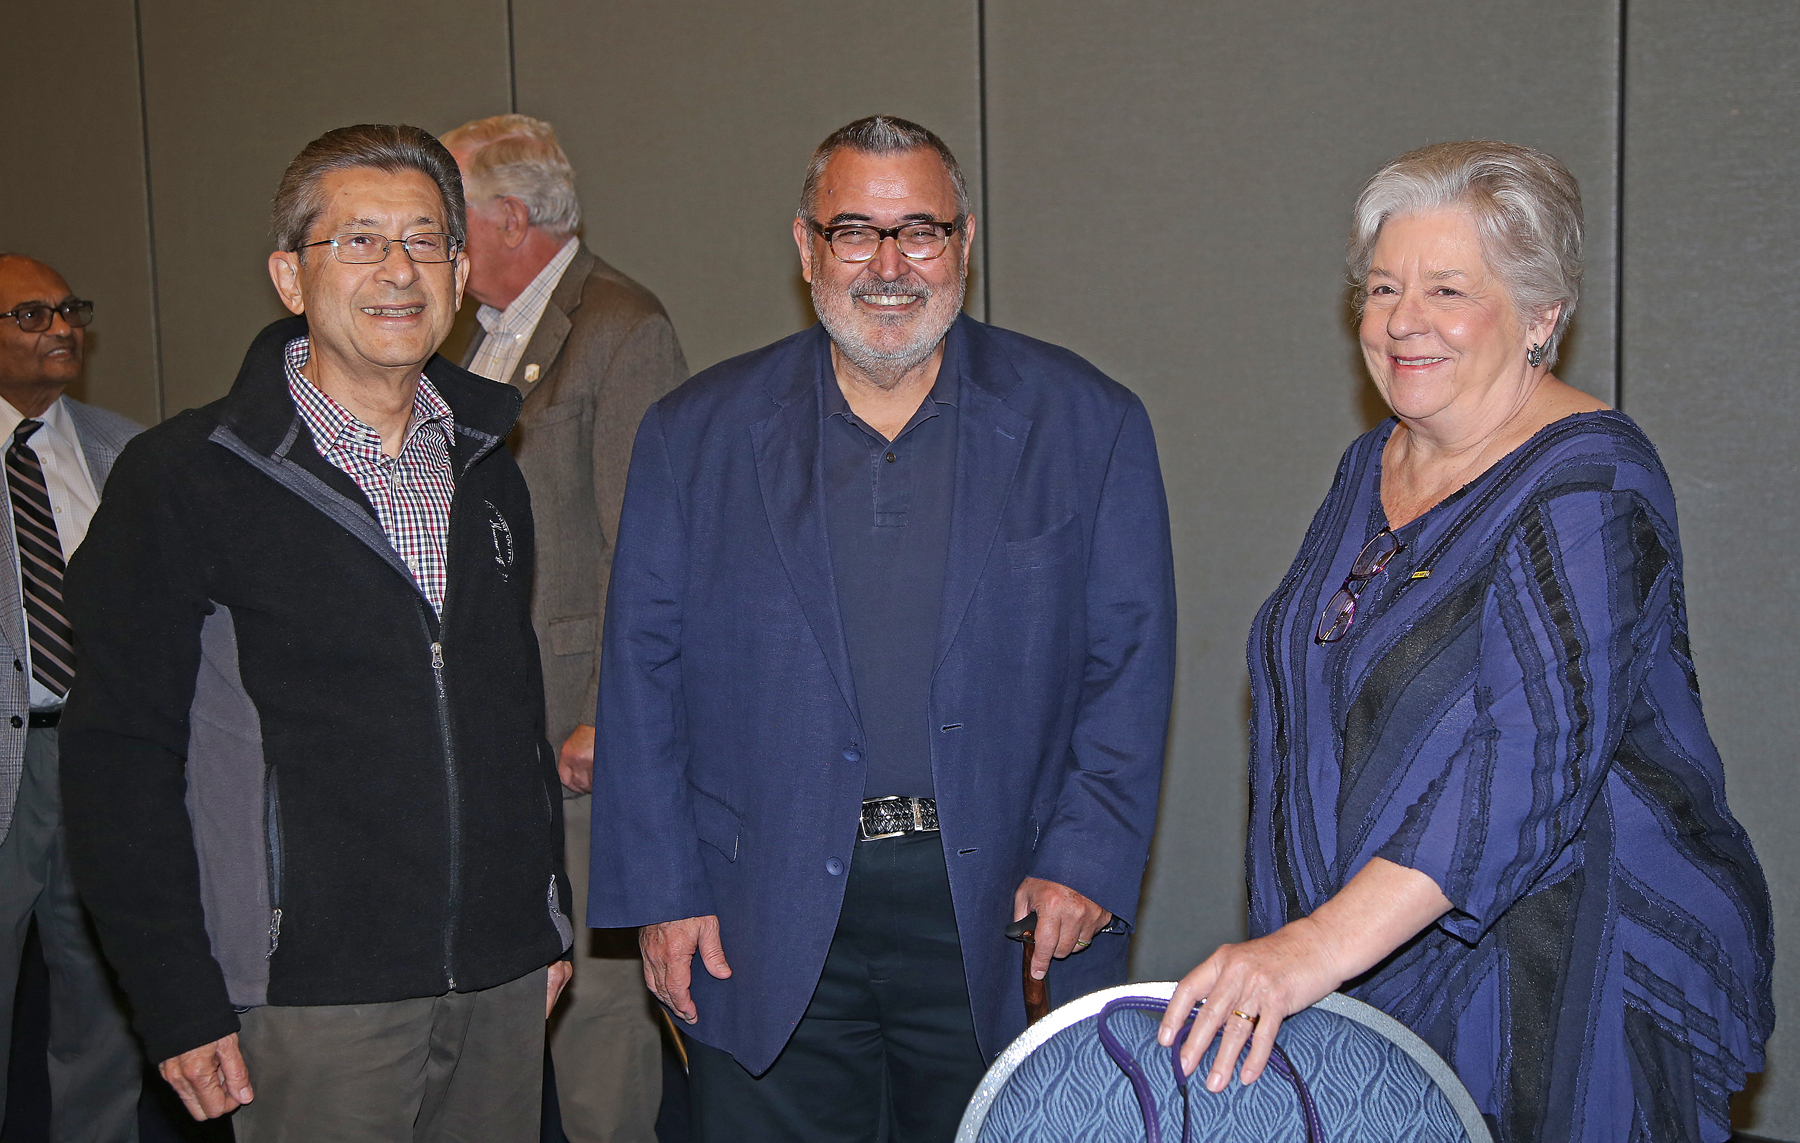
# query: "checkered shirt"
[[411, 492]]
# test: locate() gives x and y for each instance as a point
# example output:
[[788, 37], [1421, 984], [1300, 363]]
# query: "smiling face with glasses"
[[378, 278], [886, 255], [42, 335]]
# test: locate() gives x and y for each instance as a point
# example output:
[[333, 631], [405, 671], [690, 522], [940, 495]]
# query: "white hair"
[[516, 156], [1526, 207]]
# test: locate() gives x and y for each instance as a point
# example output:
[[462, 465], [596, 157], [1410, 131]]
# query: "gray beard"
[[882, 366]]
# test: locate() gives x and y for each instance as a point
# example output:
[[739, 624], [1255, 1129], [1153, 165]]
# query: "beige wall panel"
[[1712, 303], [72, 183], [233, 91], [690, 123], [1169, 190]]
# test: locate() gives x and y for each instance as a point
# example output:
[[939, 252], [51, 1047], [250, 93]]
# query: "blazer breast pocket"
[[552, 414], [1052, 547], [572, 636]]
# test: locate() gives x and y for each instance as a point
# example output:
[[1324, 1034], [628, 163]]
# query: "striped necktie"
[[40, 564]]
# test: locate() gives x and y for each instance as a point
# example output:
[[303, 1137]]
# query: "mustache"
[[914, 288]]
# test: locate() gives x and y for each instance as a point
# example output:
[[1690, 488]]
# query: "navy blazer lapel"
[[990, 441], [790, 469]]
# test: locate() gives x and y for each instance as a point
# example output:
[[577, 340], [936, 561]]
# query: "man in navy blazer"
[[887, 665]]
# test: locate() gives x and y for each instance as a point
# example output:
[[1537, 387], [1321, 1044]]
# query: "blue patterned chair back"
[[1369, 1079]]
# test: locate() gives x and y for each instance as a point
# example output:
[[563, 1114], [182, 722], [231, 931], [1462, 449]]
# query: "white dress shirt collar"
[[56, 421]]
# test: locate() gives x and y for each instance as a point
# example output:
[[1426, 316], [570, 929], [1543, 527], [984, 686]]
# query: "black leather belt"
[[895, 815], [42, 719]]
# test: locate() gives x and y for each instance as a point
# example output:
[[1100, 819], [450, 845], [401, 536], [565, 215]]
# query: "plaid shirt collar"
[[509, 331], [335, 428], [525, 311]]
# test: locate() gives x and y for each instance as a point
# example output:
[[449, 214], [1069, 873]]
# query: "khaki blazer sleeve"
[[647, 364], [602, 353]]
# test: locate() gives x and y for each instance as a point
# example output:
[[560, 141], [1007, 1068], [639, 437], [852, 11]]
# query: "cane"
[[1037, 992]]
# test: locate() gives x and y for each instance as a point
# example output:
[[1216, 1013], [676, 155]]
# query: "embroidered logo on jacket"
[[504, 551]]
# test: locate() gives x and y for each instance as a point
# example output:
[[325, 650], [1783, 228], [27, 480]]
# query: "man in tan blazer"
[[591, 349]]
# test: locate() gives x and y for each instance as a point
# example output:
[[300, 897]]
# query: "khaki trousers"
[[604, 1035], [465, 1067]]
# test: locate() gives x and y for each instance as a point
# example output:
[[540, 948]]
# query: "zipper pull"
[[274, 930], [437, 656]]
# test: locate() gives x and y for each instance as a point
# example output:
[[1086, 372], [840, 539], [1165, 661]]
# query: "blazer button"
[[852, 754], [18, 666], [832, 865], [17, 722]]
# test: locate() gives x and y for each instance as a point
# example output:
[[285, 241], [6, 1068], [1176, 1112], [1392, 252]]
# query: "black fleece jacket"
[[285, 780]]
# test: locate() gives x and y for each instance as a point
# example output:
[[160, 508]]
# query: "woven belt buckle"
[[862, 827], [917, 806]]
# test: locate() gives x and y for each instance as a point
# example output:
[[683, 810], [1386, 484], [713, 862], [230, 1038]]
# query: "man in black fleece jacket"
[[308, 795]]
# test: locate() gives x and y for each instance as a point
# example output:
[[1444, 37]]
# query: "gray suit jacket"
[[102, 435], [603, 351]]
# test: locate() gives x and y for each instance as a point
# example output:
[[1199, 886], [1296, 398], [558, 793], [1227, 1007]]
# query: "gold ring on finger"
[[1244, 1015], [1082, 944]]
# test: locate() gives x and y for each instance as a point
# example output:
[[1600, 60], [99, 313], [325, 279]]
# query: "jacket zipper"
[[452, 782], [453, 797], [453, 788], [272, 840]]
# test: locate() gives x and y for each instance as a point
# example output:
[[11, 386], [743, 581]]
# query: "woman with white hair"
[[1484, 798]]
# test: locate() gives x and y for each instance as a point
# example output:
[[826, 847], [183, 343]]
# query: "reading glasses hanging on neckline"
[[1340, 610]]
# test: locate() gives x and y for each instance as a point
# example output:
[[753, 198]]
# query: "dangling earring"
[[1534, 356]]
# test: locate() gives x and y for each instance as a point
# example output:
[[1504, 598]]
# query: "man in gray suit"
[[58, 452], [591, 349]]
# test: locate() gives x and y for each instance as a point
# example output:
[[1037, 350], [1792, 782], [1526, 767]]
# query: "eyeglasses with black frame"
[[360, 249], [859, 241], [1340, 611], [36, 317]]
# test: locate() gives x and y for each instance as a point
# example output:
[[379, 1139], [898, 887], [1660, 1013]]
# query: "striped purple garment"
[[1515, 713], [411, 492]]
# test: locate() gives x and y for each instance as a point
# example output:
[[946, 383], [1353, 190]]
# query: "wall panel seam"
[[156, 352], [1619, 92], [981, 98], [512, 63]]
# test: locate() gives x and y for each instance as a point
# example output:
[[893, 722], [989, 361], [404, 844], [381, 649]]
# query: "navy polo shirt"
[[887, 506]]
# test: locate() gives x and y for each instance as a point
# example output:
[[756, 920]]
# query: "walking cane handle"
[[1037, 992]]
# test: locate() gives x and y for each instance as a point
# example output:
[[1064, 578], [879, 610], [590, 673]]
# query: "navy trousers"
[[887, 1047]]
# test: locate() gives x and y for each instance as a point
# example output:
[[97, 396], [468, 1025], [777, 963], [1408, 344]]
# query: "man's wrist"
[[168, 1043]]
